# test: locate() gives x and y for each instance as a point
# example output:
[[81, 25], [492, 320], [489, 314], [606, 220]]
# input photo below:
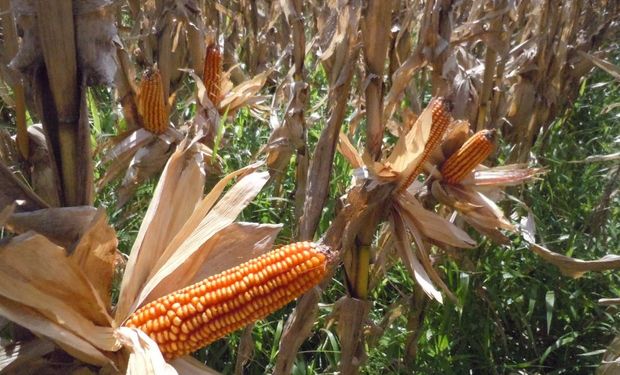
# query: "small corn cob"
[[197, 315], [212, 74], [473, 152], [440, 121], [152, 104]]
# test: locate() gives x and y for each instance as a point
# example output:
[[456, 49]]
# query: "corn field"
[[152, 153]]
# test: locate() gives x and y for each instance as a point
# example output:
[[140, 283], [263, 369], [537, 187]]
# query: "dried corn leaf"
[[18, 356], [424, 257], [63, 337], [349, 151], [146, 162], [576, 267], [609, 301], [202, 209], [245, 93], [191, 366], [63, 225], [126, 143], [403, 247], [6, 213], [610, 364], [14, 190], [298, 327], [61, 291], [144, 357], [608, 67], [433, 226], [352, 316]]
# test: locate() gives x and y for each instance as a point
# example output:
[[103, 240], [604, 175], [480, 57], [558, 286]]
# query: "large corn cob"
[[152, 104], [212, 74], [473, 152], [197, 315], [440, 121]]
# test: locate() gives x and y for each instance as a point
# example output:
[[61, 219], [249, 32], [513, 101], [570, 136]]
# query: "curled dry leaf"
[[576, 267]]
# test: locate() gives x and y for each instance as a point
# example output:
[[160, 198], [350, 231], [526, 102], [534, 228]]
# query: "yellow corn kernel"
[[232, 299], [212, 74], [473, 152], [151, 102]]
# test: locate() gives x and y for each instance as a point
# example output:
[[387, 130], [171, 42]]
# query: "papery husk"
[[173, 202], [144, 355], [96, 254], [408, 150], [433, 226], [84, 232], [506, 175], [168, 275], [147, 162], [403, 248]]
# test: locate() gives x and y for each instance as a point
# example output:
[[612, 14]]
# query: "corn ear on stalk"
[[197, 315], [151, 102], [440, 121], [212, 74], [473, 152]]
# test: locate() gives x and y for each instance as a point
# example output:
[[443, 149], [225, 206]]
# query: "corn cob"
[[152, 104], [439, 124], [212, 74], [197, 315], [473, 152]]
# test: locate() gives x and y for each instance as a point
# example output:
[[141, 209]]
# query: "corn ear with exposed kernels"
[[197, 315], [440, 121], [212, 74], [473, 152], [151, 103]]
